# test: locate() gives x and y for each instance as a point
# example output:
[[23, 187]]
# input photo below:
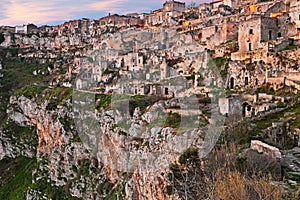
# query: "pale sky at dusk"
[[40, 12]]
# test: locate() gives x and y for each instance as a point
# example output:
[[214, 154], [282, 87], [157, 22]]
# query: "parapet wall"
[[254, 55]]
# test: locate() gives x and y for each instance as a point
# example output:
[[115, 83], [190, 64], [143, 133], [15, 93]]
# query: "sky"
[[53, 12]]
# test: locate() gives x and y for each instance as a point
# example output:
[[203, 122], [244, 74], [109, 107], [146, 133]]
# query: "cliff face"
[[137, 160], [50, 131]]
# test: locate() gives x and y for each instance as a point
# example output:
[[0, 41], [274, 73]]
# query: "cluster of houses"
[[256, 25], [249, 32]]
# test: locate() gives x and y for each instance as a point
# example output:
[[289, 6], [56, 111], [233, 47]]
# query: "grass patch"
[[17, 74], [56, 96], [16, 177], [173, 120], [52, 192], [222, 63], [103, 101], [30, 91], [143, 102], [265, 89]]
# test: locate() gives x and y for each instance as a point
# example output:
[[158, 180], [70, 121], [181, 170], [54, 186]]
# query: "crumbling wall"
[[265, 148]]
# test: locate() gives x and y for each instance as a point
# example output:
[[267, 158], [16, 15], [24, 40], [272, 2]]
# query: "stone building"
[[256, 30], [141, 16], [25, 28], [119, 21], [45, 28], [213, 36], [133, 61], [155, 18], [172, 5], [266, 149], [278, 8], [263, 32], [238, 106], [295, 12], [216, 4], [231, 106], [204, 9], [231, 3], [244, 3], [171, 10]]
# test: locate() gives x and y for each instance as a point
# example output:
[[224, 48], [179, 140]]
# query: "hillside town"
[[247, 35], [245, 53]]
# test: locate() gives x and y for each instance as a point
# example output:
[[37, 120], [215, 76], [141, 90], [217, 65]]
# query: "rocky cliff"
[[136, 160]]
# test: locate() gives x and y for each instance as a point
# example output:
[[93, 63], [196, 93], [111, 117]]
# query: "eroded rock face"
[[291, 163], [106, 152], [6, 148], [147, 186], [143, 152], [50, 131], [9, 148]]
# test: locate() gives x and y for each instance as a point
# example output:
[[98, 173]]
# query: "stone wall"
[[231, 106], [292, 83], [295, 12], [277, 7], [269, 29], [265, 148], [253, 55]]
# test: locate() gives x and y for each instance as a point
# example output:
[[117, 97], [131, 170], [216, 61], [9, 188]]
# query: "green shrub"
[[16, 177], [191, 155], [103, 101], [173, 120]]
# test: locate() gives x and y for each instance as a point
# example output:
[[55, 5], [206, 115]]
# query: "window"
[[270, 35], [279, 35], [248, 108], [166, 91], [251, 31], [231, 83], [250, 47], [246, 81]]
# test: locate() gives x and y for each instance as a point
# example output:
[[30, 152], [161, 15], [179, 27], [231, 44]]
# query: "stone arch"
[[246, 108]]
